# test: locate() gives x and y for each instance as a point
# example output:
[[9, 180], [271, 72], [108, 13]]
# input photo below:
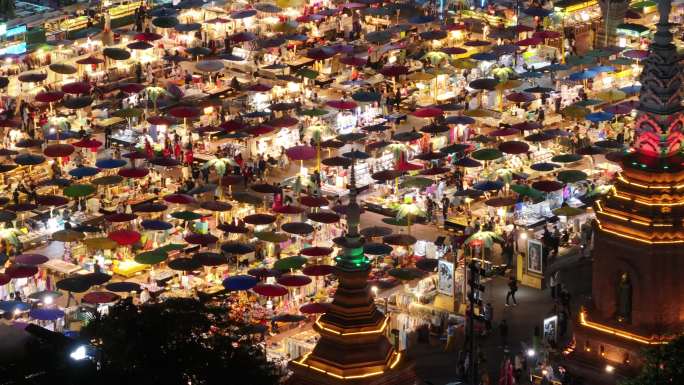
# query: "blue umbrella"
[[488, 185], [81, 172], [537, 11], [29, 159], [239, 282], [59, 135], [556, 67], [422, 19], [458, 119], [484, 56], [155, 224], [631, 90], [230, 57], [187, 27], [243, 14], [188, 4], [530, 75], [46, 314], [544, 166], [600, 116], [582, 75], [297, 37], [110, 163], [599, 69], [12, 306]]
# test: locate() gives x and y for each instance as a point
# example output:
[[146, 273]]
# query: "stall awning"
[[573, 5], [632, 29]]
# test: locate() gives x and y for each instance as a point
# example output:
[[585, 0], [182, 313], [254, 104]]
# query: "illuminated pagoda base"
[[353, 348], [637, 291]]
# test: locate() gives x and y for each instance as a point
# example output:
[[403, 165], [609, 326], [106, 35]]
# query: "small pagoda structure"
[[638, 292], [353, 347]]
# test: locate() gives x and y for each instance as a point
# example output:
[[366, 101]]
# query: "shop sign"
[[445, 285]]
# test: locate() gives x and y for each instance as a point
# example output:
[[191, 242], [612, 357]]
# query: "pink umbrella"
[[283, 121], [147, 36], [316, 251], [185, 112], [76, 88], [313, 308], [261, 129], [133, 172], [353, 61], [200, 239], [98, 297], [301, 152], [182, 199], [528, 42], [49, 96], [132, 88], [259, 87], [394, 70], [293, 280], [87, 143], [124, 237], [520, 97], [637, 54], [504, 132], [342, 104], [58, 150], [407, 166], [313, 201], [454, 50], [269, 290], [428, 112]]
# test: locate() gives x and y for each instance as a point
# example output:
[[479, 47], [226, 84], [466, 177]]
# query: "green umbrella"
[[571, 176], [526, 190], [152, 257], [579, 60], [621, 61], [566, 158], [186, 215], [172, 247], [289, 263], [314, 112], [567, 211], [128, 113], [486, 238], [575, 112], [416, 181], [107, 180], [597, 53], [271, 236], [403, 222], [588, 102], [116, 53], [307, 73], [487, 154], [165, 22], [79, 190]]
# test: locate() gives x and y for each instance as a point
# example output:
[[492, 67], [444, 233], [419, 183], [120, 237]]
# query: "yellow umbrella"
[[574, 112], [420, 77], [611, 95], [288, 3], [100, 243], [479, 113], [464, 64]]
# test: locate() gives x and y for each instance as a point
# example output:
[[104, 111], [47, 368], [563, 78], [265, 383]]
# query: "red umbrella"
[[160, 120], [120, 217], [407, 166], [183, 199], [320, 53], [185, 112], [353, 61], [49, 96], [504, 132], [318, 270], [514, 147], [147, 36], [526, 126], [301, 152], [520, 97], [293, 280], [428, 112], [259, 87], [20, 271], [528, 42], [283, 121], [259, 219], [98, 297], [90, 60], [200, 239], [316, 251], [76, 88], [520, 28], [87, 143], [124, 237], [546, 35], [394, 71], [313, 201], [269, 290], [454, 50], [454, 27], [31, 259], [133, 172], [313, 308], [261, 129], [342, 104], [58, 150], [637, 54], [4, 279], [132, 88], [547, 185], [289, 209], [232, 125], [324, 217]]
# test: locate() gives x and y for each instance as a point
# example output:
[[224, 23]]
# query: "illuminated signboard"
[[17, 30], [14, 49]]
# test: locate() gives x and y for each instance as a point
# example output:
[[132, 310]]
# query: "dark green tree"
[[663, 365], [7, 8], [178, 341]]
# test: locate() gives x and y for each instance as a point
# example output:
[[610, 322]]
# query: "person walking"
[[451, 338], [488, 317], [512, 289], [445, 209], [503, 331]]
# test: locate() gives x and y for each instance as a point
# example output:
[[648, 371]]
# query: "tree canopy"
[[662, 365], [178, 341]]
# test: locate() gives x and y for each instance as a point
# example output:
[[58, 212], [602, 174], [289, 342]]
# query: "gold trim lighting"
[[619, 333], [376, 331], [395, 362]]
